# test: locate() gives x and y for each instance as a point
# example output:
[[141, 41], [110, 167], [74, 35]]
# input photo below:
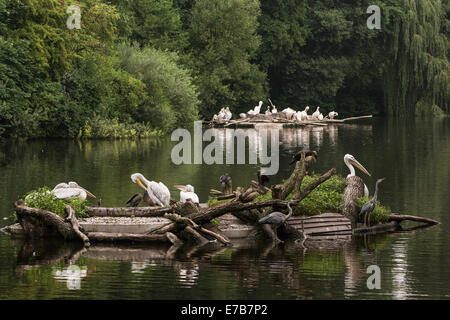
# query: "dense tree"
[[417, 73], [223, 41], [155, 23], [171, 97], [192, 57]]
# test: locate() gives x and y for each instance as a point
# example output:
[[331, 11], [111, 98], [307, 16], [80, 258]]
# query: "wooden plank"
[[330, 237], [318, 221], [327, 229], [322, 225]]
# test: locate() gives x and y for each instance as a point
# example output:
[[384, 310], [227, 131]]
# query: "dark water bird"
[[226, 183], [276, 219], [369, 206], [262, 179], [135, 200], [310, 156]]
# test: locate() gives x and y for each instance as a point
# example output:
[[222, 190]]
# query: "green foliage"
[[223, 40], [154, 23], [212, 201], [172, 98], [99, 128], [327, 197], [195, 57], [215, 222], [379, 215], [417, 73], [43, 199]]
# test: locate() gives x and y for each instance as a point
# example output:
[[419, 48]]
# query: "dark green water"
[[413, 156]]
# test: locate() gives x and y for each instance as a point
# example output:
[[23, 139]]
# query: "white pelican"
[[158, 192], [289, 113], [332, 114], [187, 192], [320, 117], [350, 161], [242, 115], [274, 110], [304, 114], [316, 113], [268, 112], [228, 114], [71, 190], [258, 107]]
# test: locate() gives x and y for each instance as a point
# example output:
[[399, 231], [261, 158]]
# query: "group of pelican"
[[224, 115], [156, 193], [303, 115], [290, 113], [256, 110]]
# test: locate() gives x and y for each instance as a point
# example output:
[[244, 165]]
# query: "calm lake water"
[[413, 156]]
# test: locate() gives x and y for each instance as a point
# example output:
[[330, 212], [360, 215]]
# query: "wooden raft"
[[326, 224]]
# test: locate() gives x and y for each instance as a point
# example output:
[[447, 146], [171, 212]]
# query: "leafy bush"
[[325, 198], [98, 128], [43, 199], [172, 98], [379, 215]]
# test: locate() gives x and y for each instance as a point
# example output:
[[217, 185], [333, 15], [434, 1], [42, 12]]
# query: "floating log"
[[405, 217], [129, 237], [382, 227], [279, 117], [38, 223], [128, 212]]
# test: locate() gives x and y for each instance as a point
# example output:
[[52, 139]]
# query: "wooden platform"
[[251, 122], [323, 225]]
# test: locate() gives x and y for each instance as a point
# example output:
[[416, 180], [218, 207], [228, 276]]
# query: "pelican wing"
[[184, 196], [159, 193], [69, 193]]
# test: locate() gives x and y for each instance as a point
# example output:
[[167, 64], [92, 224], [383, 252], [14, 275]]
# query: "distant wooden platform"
[[323, 225], [264, 119]]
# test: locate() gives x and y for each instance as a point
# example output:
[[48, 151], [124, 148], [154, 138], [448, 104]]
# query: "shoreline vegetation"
[[138, 69]]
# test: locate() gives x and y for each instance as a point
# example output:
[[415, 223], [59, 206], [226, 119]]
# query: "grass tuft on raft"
[[212, 201], [379, 215], [327, 197], [43, 199]]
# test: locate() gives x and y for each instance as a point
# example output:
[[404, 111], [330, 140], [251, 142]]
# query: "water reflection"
[[71, 275], [413, 156], [400, 288]]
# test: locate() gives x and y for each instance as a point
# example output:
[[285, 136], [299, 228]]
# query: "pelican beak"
[[141, 184], [180, 187], [88, 193], [360, 166]]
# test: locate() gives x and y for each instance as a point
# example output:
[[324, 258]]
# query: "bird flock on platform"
[[290, 114], [157, 194]]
